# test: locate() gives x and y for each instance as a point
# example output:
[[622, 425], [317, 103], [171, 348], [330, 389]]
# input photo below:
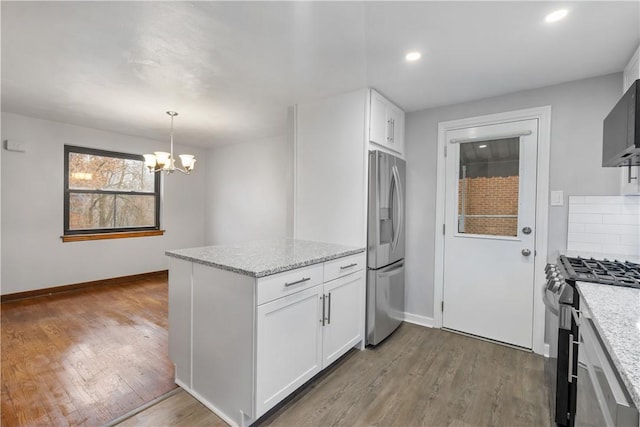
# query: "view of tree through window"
[[107, 191]]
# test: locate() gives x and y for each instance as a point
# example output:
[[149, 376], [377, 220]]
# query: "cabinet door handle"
[[344, 267], [329, 311], [304, 279], [322, 310], [393, 130]]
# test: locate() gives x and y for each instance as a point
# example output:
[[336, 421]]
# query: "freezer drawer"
[[385, 301]]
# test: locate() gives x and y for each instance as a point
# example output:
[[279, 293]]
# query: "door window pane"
[[488, 187]]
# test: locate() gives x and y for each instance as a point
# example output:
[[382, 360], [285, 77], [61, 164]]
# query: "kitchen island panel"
[[223, 341], [180, 319]]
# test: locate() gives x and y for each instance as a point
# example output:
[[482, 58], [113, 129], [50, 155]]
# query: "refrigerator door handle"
[[390, 270], [397, 220]]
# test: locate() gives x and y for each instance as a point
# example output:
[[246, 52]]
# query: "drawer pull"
[[304, 279], [344, 267]]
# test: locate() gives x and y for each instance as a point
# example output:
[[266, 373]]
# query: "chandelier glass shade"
[[164, 161]]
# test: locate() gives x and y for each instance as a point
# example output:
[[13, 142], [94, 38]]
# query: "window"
[[108, 192]]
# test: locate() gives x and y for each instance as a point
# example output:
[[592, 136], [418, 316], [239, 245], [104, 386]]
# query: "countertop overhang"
[[265, 257]]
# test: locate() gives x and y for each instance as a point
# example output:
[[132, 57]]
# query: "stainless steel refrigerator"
[[385, 245]]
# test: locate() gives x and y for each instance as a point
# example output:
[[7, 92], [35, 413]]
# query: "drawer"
[[289, 282], [343, 266]]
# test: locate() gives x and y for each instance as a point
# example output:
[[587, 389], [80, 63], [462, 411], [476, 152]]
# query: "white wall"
[[33, 255], [578, 109], [249, 191]]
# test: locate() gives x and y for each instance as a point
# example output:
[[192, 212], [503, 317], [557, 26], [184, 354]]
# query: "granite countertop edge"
[[266, 272], [632, 385]]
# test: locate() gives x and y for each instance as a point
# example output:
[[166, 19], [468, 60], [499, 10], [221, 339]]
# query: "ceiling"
[[231, 68]]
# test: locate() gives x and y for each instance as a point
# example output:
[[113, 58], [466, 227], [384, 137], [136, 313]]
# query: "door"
[[385, 301], [490, 231], [289, 348], [386, 209], [344, 314], [378, 126]]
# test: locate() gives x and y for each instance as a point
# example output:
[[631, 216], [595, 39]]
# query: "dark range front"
[[567, 365], [561, 299], [563, 305]]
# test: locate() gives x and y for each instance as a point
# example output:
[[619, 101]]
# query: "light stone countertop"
[[615, 312], [265, 257]]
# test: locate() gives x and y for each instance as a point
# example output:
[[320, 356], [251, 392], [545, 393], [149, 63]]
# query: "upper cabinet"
[[386, 123], [629, 179]]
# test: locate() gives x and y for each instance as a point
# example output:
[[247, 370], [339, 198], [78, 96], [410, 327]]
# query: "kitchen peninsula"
[[250, 323]]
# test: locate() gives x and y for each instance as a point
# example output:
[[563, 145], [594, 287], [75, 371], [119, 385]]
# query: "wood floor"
[[84, 357], [418, 377]]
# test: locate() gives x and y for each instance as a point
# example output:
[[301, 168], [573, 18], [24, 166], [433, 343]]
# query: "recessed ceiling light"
[[556, 16], [413, 56], [482, 146]]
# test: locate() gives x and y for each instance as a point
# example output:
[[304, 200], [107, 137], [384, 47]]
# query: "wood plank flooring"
[[84, 357], [417, 377]]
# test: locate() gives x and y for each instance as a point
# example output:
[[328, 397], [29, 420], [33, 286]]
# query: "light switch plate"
[[557, 198]]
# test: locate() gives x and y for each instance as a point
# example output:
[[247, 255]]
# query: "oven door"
[[552, 327]]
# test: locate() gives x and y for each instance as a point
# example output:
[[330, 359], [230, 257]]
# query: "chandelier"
[[163, 161]]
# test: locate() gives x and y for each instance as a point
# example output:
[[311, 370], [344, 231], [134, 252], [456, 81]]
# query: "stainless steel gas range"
[[574, 399]]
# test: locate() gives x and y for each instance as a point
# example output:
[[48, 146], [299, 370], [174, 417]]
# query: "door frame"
[[543, 115]]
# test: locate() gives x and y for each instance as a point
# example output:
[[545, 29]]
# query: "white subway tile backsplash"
[[611, 228], [576, 228], [621, 219], [604, 224], [594, 238], [585, 218], [594, 209], [602, 200], [630, 239], [630, 209], [586, 247], [621, 249]]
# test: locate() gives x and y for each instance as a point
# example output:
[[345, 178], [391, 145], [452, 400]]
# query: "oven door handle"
[[570, 373]]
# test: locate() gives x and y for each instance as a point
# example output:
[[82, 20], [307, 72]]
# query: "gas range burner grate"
[[617, 273]]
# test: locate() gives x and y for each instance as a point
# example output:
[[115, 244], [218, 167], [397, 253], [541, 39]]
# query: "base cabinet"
[[344, 316], [289, 351], [241, 345]]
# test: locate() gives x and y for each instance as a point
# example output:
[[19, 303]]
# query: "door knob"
[[526, 252], [526, 230]]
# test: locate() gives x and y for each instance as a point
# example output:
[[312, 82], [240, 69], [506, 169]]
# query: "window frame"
[[103, 232]]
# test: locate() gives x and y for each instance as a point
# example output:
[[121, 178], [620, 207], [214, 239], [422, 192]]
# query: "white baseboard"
[[546, 350], [416, 319]]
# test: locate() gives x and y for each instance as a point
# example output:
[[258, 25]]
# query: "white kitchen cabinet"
[[242, 344], [386, 123], [344, 318], [289, 352], [180, 325], [629, 179]]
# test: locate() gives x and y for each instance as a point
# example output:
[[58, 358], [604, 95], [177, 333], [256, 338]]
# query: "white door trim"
[[543, 114]]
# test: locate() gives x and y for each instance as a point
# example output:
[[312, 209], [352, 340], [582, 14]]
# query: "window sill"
[[105, 236]]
